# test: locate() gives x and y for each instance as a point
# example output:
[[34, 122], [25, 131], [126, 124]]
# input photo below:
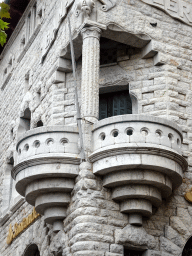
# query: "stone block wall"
[[94, 224]]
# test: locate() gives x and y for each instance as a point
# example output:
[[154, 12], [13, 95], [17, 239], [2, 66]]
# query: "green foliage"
[[4, 13]]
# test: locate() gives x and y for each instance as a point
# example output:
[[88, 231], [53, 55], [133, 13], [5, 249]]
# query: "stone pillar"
[[90, 73]]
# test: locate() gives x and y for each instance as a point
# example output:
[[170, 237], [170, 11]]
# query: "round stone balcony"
[[140, 159], [47, 164]]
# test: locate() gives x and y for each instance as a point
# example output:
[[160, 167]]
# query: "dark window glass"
[[187, 251], [132, 253], [114, 103]]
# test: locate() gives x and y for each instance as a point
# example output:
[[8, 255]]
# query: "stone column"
[[90, 73]]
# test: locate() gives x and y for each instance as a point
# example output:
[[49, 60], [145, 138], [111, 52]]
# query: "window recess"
[[31, 22], [114, 103], [128, 252]]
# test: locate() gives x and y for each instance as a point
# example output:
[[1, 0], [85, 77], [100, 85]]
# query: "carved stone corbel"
[[107, 4]]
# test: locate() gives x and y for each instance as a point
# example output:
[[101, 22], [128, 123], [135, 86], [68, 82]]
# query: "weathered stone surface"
[[136, 236], [169, 247], [159, 86]]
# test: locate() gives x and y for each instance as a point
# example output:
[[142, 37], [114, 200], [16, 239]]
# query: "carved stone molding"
[[50, 37], [29, 43]]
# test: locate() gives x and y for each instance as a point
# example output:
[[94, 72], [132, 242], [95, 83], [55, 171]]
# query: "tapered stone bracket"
[[140, 160], [47, 164]]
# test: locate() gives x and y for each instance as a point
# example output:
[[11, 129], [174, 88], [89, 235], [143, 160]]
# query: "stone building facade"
[[115, 180]]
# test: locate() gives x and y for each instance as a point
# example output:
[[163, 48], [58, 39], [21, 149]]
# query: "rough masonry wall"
[[94, 224]]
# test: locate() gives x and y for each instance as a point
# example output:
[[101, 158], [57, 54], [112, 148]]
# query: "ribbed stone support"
[[140, 160], [47, 164], [90, 73]]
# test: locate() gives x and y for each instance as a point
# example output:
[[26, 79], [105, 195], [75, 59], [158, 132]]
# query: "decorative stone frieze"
[[47, 164], [180, 9], [90, 73], [140, 159]]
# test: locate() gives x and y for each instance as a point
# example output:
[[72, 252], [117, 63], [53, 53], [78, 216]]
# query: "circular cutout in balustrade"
[[36, 143], [26, 147], [159, 133], [170, 136], [64, 141], [115, 133], [129, 131], [102, 136], [49, 141], [144, 131]]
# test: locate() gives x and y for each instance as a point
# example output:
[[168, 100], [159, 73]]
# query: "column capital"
[[91, 32]]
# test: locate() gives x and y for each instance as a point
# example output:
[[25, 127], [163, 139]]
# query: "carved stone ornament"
[[179, 9], [188, 196], [85, 6], [107, 4]]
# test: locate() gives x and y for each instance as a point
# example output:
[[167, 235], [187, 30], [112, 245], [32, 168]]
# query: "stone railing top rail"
[[137, 118], [46, 129]]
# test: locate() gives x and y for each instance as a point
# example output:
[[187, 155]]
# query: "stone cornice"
[[48, 159], [149, 150], [6, 81], [29, 43], [11, 211]]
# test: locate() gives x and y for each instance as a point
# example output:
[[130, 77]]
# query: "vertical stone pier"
[[90, 73]]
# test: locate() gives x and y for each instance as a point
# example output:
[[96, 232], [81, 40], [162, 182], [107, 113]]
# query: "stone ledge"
[[6, 81], [11, 211], [159, 151], [29, 43], [57, 159]]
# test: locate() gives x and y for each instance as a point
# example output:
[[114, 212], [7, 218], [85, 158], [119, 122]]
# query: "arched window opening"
[[39, 123], [32, 250], [25, 121], [114, 103], [187, 251]]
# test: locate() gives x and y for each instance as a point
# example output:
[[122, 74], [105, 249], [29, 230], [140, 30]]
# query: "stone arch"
[[187, 250], [25, 121], [38, 119], [31, 250]]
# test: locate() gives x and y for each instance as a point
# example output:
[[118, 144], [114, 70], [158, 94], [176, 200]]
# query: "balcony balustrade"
[[47, 164], [140, 159]]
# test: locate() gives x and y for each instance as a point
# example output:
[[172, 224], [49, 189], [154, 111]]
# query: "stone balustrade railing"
[[47, 164], [140, 159]]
